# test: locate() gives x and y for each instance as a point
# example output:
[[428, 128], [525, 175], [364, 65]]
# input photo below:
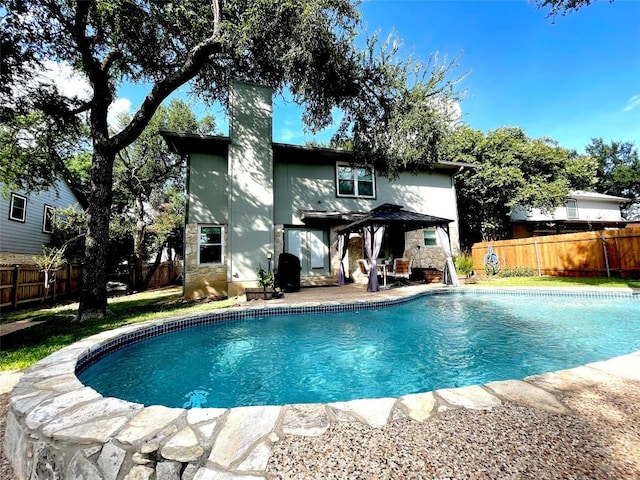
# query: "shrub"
[[517, 272], [463, 264]]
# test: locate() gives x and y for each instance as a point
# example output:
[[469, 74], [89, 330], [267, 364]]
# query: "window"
[[48, 219], [355, 181], [572, 209], [210, 244], [429, 237], [18, 208]]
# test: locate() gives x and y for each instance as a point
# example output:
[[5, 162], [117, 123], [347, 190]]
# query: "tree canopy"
[[510, 170], [618, 172], [306, 46], [563, 6]]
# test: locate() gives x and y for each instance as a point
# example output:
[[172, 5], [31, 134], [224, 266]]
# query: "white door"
[[312, 248]]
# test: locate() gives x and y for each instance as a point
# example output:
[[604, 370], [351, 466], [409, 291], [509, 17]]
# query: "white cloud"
[[70, 83], [117, 108], [632, 103], [74, 85], [288, 135]]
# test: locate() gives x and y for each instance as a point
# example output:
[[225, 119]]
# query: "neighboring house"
[[27, 221], [583, 212], [249, 200]]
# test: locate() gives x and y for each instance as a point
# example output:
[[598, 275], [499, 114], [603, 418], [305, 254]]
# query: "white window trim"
[[569, 209], [44, 218], [222, 245], [24, 212], [356, 194]]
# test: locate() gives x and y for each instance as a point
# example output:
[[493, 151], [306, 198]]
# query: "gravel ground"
[[600, 439], [6, 472]]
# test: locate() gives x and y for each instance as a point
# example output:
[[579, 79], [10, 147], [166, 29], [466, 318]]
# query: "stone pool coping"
[[57, 426]]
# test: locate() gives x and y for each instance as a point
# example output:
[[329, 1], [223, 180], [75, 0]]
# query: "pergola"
[[390, 216]]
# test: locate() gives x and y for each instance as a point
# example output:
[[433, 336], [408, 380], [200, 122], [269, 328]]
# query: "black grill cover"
[[288, 275]]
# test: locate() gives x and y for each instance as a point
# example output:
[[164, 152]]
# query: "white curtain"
[[342, 252], [373, 236], [443, 238]]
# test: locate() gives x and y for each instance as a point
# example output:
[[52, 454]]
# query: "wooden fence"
[[606, 253], [24, 284]]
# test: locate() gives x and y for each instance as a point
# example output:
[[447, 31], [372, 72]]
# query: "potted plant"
[[265, 282]]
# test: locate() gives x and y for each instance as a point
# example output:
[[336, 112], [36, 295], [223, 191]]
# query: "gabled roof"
[[597, 196], [395, 217]]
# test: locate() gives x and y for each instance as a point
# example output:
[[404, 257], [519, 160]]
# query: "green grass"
[[25, 347], [558, 282]]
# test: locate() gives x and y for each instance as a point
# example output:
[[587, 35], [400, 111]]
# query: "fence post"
[[606, 256], [16, 274], [535, 242], [55, 284]]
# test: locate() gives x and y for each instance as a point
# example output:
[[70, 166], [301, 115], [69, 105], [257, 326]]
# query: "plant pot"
[[258, 294]]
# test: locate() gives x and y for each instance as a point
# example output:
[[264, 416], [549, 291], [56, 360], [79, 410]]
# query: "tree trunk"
[[93, 299], [138, 245], [154, 267]]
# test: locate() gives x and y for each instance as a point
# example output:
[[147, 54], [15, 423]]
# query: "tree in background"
[[618, 172], [148, 205], [403, 112], [510, 170], [306, 46]]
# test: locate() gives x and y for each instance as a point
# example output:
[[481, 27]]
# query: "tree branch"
[[163, 88]]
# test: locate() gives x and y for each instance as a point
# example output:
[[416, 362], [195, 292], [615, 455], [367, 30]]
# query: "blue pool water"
[[432, 342]]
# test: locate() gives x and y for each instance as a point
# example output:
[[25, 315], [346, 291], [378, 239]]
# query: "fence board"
[[23, 284], [603, 253]]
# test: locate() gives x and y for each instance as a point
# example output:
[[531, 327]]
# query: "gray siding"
[[208, 189], [27, 237]]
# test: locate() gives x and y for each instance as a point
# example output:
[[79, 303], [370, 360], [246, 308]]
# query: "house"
[[27, 221], [582, 212], [250, 200]]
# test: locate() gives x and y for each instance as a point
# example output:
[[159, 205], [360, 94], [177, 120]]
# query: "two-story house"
[[582, 212], [27, 221], [250, 199]]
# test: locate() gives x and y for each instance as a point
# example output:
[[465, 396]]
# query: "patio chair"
[[402, 268]]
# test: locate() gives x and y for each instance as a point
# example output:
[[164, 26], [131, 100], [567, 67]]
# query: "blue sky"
[[570, 78]]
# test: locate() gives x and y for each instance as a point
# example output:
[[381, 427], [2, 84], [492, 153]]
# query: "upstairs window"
[[48, 219], [355, 181], [210, 244], [429, 237], [18, 208], [572, 209]]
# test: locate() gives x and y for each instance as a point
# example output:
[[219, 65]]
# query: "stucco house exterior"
[[27, 221], [582, 212], [250, 199]]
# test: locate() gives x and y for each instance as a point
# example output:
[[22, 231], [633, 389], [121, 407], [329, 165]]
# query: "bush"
[[463, 264], [517, 272]]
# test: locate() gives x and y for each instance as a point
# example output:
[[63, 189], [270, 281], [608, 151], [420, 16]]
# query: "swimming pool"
[[432, 342]]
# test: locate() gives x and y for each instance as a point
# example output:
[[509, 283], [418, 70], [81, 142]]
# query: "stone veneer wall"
[[202, 281], [423, 257]]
